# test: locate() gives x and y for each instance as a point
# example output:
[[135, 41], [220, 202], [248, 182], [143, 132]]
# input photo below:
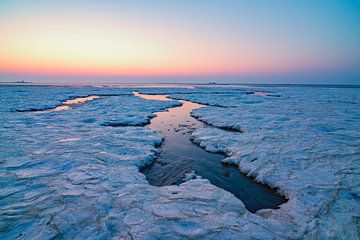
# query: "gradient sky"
[[190, 40]]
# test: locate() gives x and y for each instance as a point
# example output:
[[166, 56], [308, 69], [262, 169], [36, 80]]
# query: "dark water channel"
[[179, 156]]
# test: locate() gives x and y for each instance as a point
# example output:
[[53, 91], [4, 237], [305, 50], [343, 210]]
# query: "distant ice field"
[[74, 174]]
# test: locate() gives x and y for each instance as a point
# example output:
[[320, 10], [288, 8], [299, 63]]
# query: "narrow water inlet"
[[66, 105], [178, 156]]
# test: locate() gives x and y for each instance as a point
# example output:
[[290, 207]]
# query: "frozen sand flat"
[[69, 174]]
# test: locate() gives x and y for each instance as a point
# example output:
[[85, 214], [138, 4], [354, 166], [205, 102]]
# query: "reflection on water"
[[80, 100], [67, 104], [266, 94], [179, 156], [262, 94], [152, 97], [59, 108]]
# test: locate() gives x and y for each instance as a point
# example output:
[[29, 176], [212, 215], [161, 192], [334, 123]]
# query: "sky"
[[308, 41]]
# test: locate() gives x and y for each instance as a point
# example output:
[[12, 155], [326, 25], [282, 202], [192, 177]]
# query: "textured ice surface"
[[305, 142], [67, 174]]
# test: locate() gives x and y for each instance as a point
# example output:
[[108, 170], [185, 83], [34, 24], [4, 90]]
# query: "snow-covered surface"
[[305, 142], [68, 174]]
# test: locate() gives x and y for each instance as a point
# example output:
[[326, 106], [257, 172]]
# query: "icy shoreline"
[[66, 175], [179, 158], [321, 190]]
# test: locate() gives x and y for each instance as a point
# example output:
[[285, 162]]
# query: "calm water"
[[66, 105], [178, 156]]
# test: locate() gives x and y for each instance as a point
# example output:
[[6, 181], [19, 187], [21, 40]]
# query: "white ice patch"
[[191, 175], [296, 143], [305, 142]]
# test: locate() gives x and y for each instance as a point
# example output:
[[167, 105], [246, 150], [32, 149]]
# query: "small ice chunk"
[[191, 175]]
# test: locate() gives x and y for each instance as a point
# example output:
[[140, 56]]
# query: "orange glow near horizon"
[[107, 46]]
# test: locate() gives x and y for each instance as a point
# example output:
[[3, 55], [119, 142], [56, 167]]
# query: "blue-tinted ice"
[[70, 174], [179, 159]]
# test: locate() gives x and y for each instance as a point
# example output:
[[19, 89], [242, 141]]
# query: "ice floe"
[[66, 174]]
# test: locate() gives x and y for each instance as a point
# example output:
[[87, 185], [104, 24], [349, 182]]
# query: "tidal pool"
[[178, 156]]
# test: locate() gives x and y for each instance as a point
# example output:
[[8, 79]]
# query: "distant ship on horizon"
[[19, 81]]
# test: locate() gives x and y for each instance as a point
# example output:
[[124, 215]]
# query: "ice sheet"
[[68, 174]]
